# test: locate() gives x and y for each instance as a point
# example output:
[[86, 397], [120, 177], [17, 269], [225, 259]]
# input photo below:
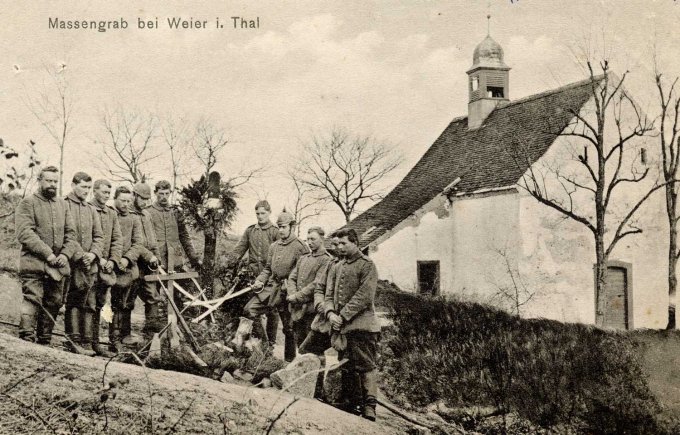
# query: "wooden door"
[[615, 299]]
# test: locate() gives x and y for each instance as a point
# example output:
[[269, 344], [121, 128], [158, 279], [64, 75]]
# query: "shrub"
[[547, 372]]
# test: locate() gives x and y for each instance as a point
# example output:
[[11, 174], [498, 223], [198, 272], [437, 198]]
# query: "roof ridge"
[[580, 83]]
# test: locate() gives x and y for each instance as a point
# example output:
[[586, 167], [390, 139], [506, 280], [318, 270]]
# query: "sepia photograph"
[[339, 217]]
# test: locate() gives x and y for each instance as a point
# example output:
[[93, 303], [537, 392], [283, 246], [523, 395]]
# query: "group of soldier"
[[322, 300], [79, 253]]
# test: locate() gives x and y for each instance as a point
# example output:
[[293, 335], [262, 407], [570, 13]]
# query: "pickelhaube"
[[285, 218]]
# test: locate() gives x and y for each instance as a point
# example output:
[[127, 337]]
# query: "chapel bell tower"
[[488, 81]]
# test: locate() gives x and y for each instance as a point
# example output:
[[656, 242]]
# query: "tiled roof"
[[481, 158]]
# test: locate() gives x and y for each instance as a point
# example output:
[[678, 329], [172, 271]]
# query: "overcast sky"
[[393, 69]]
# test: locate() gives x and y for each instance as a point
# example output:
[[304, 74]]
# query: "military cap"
[[285, 218], [143, 190]]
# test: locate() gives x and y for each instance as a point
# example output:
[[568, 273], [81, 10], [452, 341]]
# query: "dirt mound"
[[44, 389]]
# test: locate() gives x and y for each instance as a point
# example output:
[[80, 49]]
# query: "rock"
[[266, 383], [215, 354], [227, 378], [245, 327], [243, 376], [332, 386], [293, 379]]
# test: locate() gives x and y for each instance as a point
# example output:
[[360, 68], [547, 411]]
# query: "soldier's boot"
[[114, 333], [46, 319], [369, 389], [86, 331], [96, 346], [72, 324], [318, 389], [28, 322], [258, 331], [289, 351], [351, 392], [152, 321], [272, 328]]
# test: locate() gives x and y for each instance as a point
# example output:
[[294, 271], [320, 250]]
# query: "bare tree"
[[53, 107], [209, 142], [128, 144], [306, 204], [669, 140], [590, 191], [346, 169], [513, 293], [177, 135]]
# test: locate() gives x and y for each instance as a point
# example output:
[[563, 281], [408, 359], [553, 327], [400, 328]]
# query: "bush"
[[547, 372]]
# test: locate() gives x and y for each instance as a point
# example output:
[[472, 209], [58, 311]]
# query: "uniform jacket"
[[88, 227], [149, 245], [281, 258], [132, 238], [302, 281], [255, 241], [112, 244], [172, 235], [324, 280], [352, 295], [43, 227]]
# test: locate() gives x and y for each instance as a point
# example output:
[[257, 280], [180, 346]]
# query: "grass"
[[550, 374]]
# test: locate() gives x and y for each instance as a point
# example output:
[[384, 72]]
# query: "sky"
[[394, 70]]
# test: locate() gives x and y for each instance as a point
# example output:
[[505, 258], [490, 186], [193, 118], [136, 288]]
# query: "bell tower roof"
[[488, 54]]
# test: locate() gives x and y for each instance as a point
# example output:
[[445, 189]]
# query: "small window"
[[495, 92], [428, 278], [475, 83], [643, 156]]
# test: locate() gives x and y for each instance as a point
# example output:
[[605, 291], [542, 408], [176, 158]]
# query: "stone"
[[227, 378], [299, 377], [266, 383], [243, 376]]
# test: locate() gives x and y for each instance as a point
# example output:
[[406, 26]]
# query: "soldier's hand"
[[291, 299], [153, 262], [62, 260], [88, 259], [52, 260], [124, 263], [336, 320], [108, 266], [258, 285]]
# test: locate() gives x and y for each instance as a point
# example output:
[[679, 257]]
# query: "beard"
[[49, 192]]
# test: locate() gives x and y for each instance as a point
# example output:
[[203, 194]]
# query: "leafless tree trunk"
[[53, 107], [305, 204], [669, 140], [178, 137], [209, 143], [603, 174], [346, 170], [128, 144]]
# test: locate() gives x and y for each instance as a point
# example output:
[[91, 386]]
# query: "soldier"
[[80, 296], [174, 240], [132, 241], [318, 339], [301, 284], [112, 251], [349, 307], [281, 258], [44, 228], [149, 259], [255, 242]]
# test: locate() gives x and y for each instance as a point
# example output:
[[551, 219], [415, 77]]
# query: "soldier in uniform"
[[269, 286], [255, 242], [349, 307], [301, 284], [149, 259], [112, 247], [319, 339], [80, 295], [45, 230], [132, 241], [172, 235]]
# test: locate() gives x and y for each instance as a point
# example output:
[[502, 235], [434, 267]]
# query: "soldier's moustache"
[[49, 192]]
